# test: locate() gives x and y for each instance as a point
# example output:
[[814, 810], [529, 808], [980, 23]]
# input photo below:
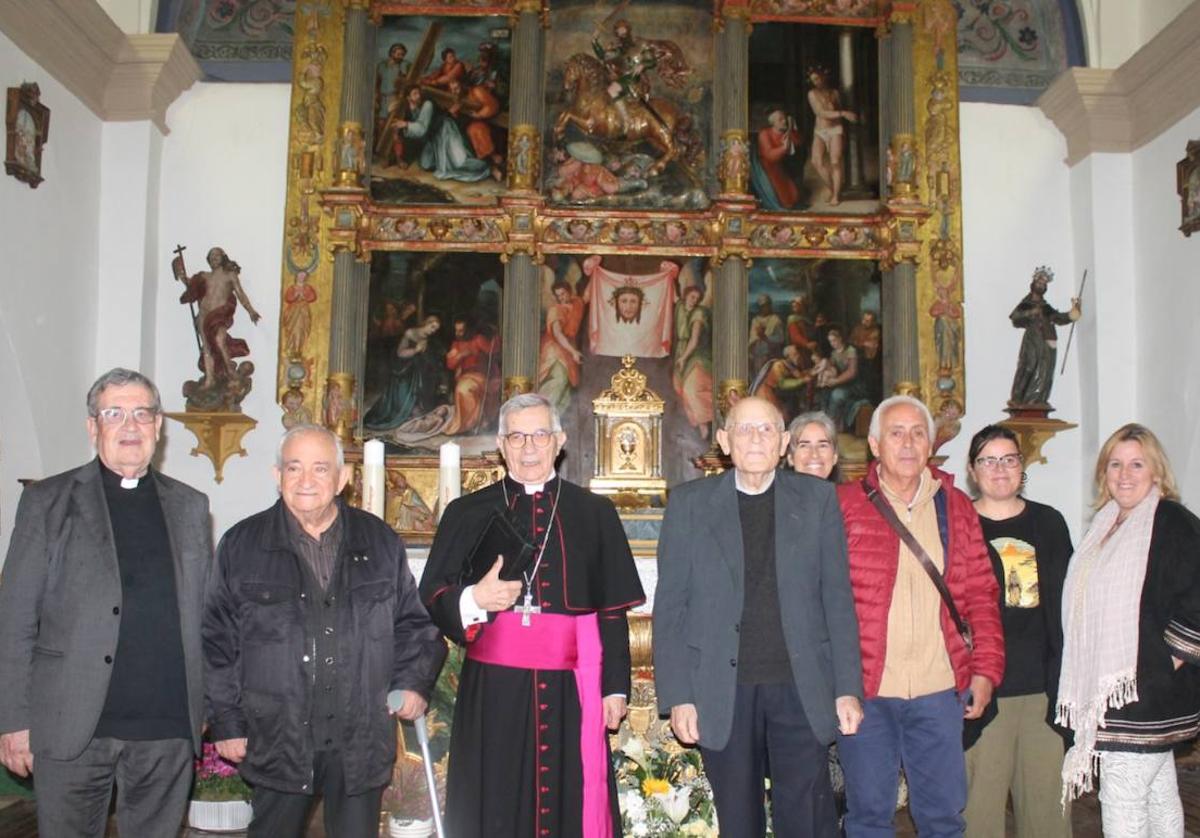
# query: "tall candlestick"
[[372, 483], [449, 475]]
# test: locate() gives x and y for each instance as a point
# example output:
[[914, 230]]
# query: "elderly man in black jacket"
[[312, 618]]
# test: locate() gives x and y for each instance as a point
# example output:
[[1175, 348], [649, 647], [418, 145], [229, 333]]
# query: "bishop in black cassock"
[[529, 722]]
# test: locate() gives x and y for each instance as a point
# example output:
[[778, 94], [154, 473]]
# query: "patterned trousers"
[[1139, 795]]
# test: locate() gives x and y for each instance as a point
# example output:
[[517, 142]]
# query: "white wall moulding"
[[119, 77], [1123, 109]]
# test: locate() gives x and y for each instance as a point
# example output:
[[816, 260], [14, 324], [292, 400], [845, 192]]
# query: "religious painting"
[[816, 340], [595, 310], [1187, 173], [432, 369], [27, 122], [628, 104], [814, 100], [441, 110]]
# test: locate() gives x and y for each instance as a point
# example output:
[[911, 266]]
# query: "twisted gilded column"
[[351, 277], [521, 284], [902, 372]]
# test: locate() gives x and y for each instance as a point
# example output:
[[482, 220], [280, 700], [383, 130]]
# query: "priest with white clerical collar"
[[547, 642]]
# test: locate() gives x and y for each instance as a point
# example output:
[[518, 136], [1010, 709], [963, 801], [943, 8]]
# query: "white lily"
[[675, 803]]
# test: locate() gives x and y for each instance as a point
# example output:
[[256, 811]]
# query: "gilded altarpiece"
[[479, 136], [623, 135]]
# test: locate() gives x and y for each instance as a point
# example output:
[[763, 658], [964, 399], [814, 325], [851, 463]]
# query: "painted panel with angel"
[[629, 96], [597, 310]]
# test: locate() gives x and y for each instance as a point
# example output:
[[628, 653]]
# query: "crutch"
[[395, 702], [423, 741]]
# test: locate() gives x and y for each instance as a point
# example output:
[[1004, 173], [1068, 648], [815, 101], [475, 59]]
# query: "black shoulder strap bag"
[[889, 515]]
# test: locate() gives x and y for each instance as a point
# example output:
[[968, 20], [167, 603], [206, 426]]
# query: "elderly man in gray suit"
[[100, 607], [755, 640]]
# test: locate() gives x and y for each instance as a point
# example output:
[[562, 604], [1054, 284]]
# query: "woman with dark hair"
[[1018, 751], [1131, 625]]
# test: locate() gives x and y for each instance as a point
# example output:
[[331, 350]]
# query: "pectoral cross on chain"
[[527, 608]]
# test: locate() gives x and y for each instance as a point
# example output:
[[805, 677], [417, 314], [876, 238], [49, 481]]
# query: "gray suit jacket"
[[60, 595], [699, 599]]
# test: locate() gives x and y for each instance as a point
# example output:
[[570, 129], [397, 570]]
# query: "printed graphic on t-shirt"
[[1020, 572]]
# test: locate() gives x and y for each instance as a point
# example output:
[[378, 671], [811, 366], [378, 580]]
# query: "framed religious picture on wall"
[[1188, 185], [27, 122]]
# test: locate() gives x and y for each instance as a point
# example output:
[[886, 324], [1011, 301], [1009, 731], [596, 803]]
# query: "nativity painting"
[[628, 96], [595, 311], [814, 143], [441, 110], [815, 338], [433, 351]]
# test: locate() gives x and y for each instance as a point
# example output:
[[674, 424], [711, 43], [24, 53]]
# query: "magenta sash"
[[561, 642]]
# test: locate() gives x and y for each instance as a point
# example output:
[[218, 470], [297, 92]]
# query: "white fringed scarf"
[[1101, 606]]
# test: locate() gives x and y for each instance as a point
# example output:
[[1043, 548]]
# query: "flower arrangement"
[[663, 791], [407, 798], [217, 779]]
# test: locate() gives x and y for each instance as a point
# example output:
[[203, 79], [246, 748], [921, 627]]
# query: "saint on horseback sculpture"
[[609, 97]]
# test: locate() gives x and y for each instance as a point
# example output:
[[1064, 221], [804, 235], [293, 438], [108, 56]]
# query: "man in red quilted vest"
[[921, 677]]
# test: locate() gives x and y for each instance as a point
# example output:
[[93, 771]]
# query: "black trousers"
[[771, 737], [280, 814]]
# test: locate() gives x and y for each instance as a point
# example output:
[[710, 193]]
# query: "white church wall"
[[1016, 216], [222, 185], [1168, 277], [48, 298]]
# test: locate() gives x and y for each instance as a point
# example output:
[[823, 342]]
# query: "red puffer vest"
[[874, 549]]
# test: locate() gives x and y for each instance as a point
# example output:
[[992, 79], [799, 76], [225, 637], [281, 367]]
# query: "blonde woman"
[[1131, 624]]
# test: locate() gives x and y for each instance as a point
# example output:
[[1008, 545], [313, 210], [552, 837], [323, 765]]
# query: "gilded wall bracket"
[[218, 435]]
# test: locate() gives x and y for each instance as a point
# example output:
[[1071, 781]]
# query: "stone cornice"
[[118, 77], [1123, 109]]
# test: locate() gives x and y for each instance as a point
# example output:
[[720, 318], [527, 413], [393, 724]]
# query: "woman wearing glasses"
[[1131, 619], [1018, 752]]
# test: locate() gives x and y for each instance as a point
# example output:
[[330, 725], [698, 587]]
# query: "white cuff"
[[469, 610]]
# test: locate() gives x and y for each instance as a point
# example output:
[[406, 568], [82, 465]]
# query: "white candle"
[[449, 475], [372, 483]]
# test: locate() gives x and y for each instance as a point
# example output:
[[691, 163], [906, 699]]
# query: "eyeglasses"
[[118, 415], [1008, 461], [539, 438], [751, 428]]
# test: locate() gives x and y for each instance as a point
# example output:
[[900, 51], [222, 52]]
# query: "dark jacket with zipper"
[[263, 624]]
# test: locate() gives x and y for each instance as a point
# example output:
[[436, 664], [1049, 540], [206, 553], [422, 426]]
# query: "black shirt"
[[762, 651], [1029, 553], [147, 692]]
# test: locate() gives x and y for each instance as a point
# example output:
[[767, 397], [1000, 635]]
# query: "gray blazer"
[[698, 602], [60, 595]]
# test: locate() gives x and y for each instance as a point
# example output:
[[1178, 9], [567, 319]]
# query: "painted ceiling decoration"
[[1009, 51], [235, 40]]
